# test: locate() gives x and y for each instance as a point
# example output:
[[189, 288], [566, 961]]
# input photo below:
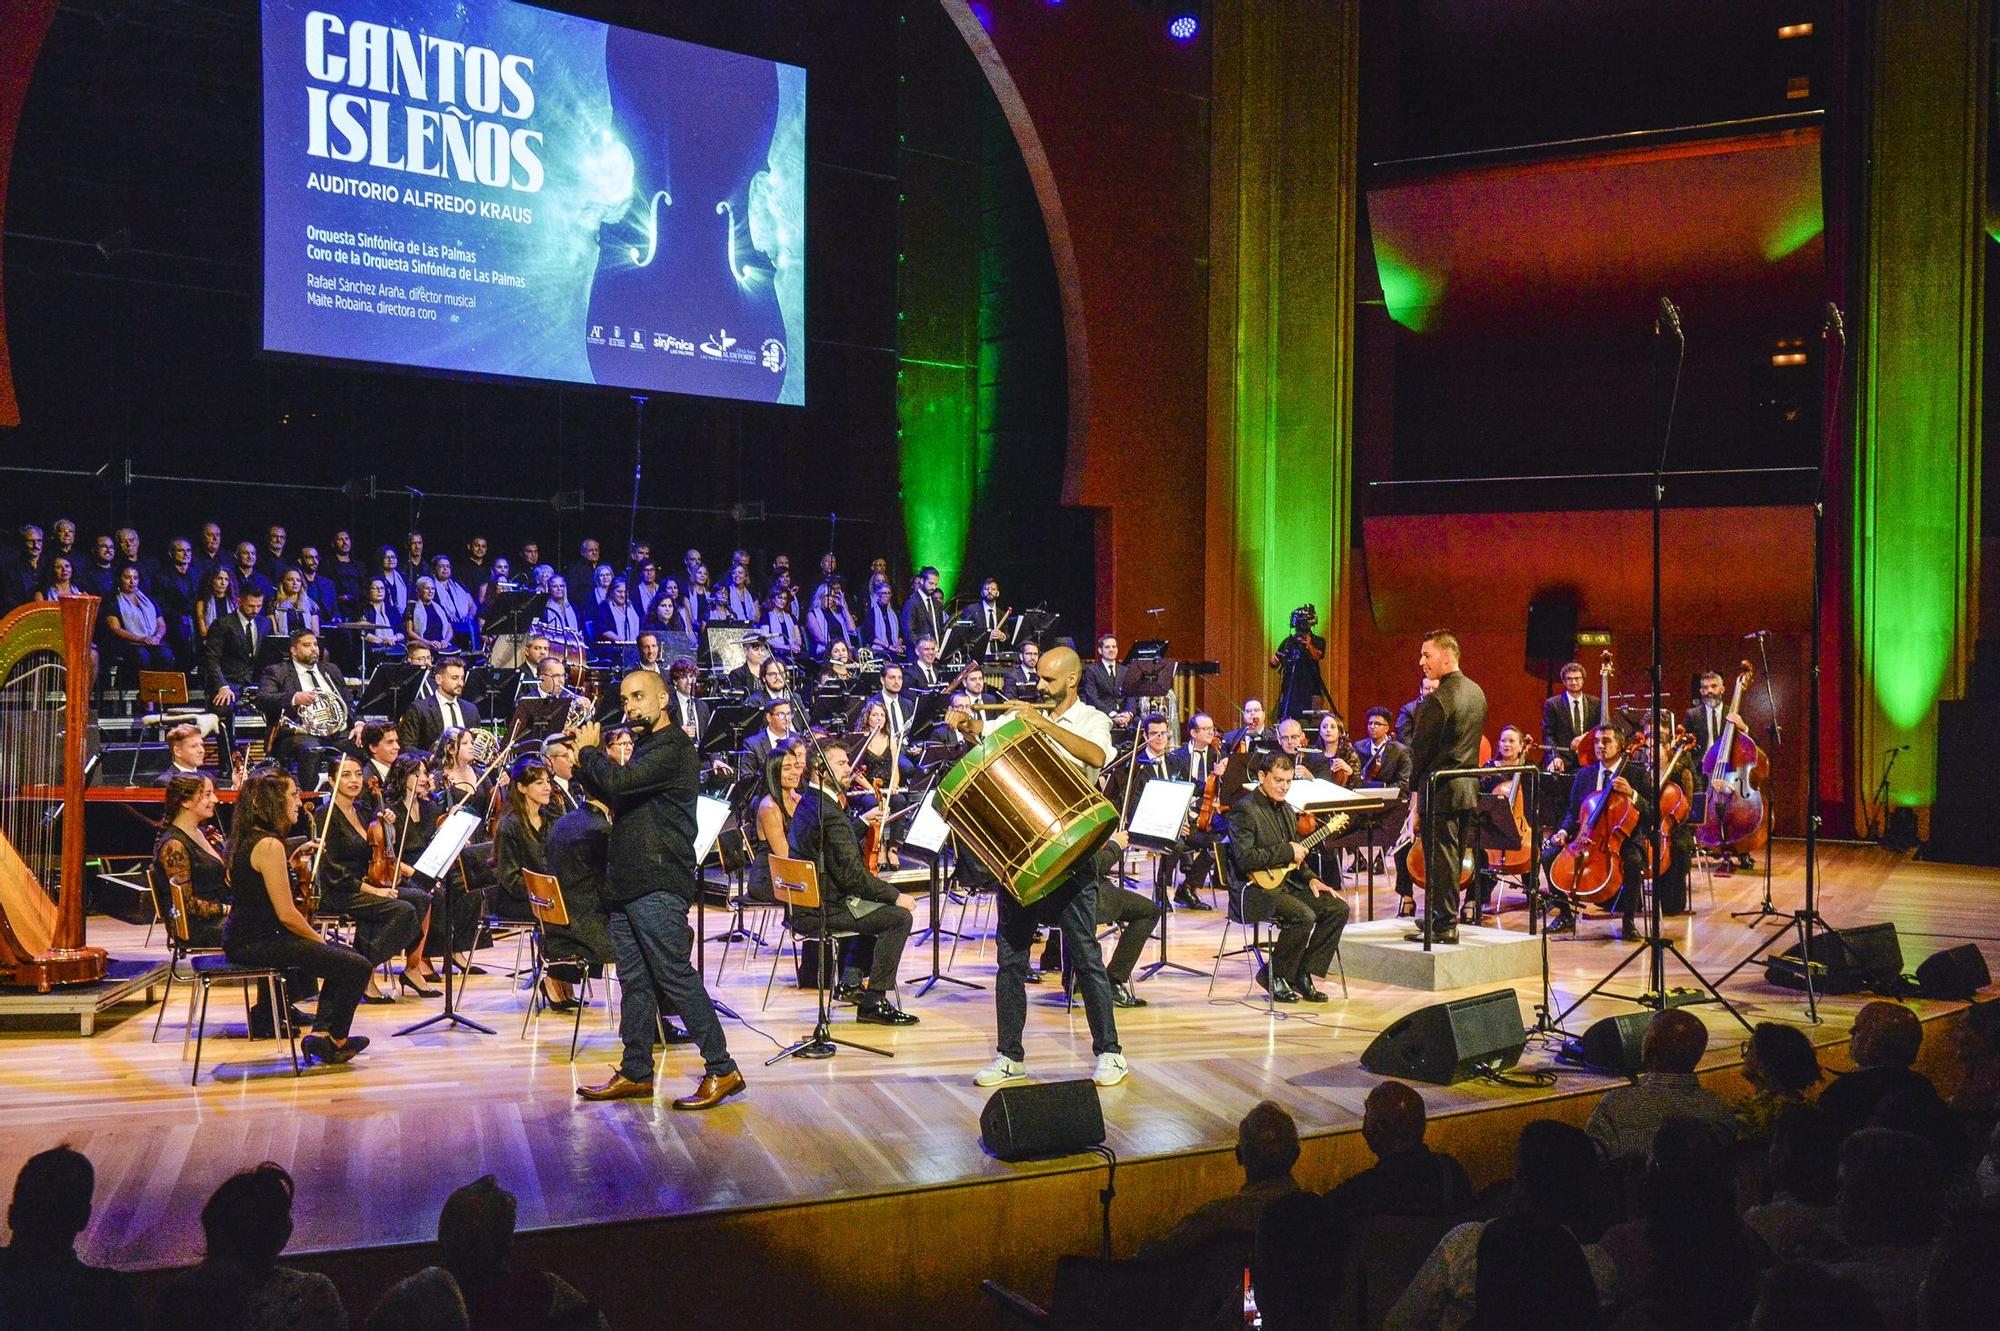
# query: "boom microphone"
[[1670, 319], [1756, 633], [1835, 325]]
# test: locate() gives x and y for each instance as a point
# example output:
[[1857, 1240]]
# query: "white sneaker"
[[1001, 1071], [1111, 1070]]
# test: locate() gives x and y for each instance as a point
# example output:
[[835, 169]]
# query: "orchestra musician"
[[853, 899], [994, 627], [895, 702], [1253, 735], [559, 756], [186, 747], [749, 676], [1263, 834], [230, 651], [771, 815], [387, 918], [1406, 716], [1104, 680], [1195, 761], [923, 672], [407, 790], [265, 927], [216, 602], [518, 844], [647, 648], [578, 849], [456, 774], [839, 672], [683, 705], [1671, 885], [1566, 716], [1450, 719], [1612, 769], [923, 613], [300, 679], [1709, 716], [777, 728], [191, 869], [1385, 760], [444, 708], [1341, 760], [543, 711], [1023, 681], [381, 746], [1083, 734], [1292, 739]]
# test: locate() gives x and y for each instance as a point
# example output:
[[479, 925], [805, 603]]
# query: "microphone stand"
[[1655, 947], [441, 904], [1807, 918]]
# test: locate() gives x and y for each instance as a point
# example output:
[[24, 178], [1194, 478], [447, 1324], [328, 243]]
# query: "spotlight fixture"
[[1183, 26]]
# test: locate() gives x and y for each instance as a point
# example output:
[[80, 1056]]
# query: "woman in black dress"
[[265, 927], [784, 774], [190, 871], [521, 843], [385, 923]]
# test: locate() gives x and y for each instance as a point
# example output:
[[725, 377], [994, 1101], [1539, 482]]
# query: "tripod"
[[1655, 948], [1807, 918]]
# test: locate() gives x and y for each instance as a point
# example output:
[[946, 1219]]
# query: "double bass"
[[1735, 768], [1590, 868]]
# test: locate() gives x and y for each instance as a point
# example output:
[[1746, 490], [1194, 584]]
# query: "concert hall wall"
[[132, 300]]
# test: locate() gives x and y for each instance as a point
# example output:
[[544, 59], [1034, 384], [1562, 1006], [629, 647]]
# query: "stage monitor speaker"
[[1451, 1041], [1612, 1045], [1551, 628], [1955, 973], [1868, 956], [1042, 1118]]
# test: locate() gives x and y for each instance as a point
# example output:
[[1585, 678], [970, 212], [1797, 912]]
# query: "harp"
[[45, 678]]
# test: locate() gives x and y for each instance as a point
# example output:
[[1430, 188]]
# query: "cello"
[[1522, 858], [1735, 767], [1590, 868]]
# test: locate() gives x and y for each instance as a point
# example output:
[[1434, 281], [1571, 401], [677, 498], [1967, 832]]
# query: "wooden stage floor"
[[377, 1145]]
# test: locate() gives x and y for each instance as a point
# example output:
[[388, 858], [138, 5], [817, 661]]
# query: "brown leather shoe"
[[712, 1091], [620, 1087]]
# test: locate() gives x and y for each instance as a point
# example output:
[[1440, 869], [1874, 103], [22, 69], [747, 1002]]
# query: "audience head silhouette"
[[476, 1230], [52, 1194], [1675, 1041], [249, 1219], [1267, 1143], [1886, 1035], [1392, 1119]]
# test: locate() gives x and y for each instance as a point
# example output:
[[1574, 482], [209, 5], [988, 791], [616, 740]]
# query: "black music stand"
[[796, 882], [1164, 846], [441, 910], [511, 614], [496, 688], [935, 856], [390, 691], [729, 725]]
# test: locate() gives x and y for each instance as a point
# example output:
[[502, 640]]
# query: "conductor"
[[649, 887], [1449, 722]]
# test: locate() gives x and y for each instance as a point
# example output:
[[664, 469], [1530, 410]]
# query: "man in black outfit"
[[291, 684], [1450, 718], [1309, 913], [851, 898], [1408, 1178], [1385, 760], [649, 889], [1613, 769], [1565, 716], [443, 708], [230, 662], [1195, 761]]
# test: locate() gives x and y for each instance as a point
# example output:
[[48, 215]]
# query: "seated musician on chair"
[[1263, 834], [851, 897], [190, 872], [1625, 778]]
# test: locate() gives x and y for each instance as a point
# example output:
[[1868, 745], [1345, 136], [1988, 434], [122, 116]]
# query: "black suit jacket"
[[1558, 730], [1393, 770], [424, 722], [1101, 688], [1449, 725], [1261, 832], [228, 657], [826, 836], [1182, 766], [1584, 785], [281, 680], [923, 617], [1406, 721], [1696, 719], [651, 799], [680, 707]]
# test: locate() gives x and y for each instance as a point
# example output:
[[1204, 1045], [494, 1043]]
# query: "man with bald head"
[[1626, 1118], [1408, 1178], [650, 883], [1082, 734]]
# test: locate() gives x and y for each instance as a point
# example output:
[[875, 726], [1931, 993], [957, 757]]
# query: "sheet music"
[[1310, 792], [709, 816], [927, 829], [1162, 807], [452, 836]]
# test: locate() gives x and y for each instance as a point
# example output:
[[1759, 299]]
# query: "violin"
[[1211, 788], [1736, 766], [382, 864], [1590, 867]]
